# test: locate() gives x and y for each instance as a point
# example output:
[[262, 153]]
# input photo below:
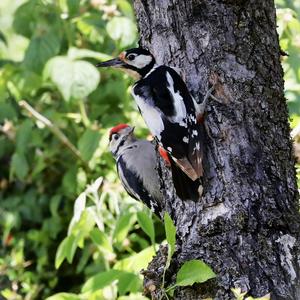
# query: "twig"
[[54, 129]]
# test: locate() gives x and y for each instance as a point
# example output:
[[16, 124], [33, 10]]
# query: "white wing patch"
[[151, 115], [180, 110]]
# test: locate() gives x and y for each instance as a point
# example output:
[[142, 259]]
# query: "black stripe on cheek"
[[120, 145]]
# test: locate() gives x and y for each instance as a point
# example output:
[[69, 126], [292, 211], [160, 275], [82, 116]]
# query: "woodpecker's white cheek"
[[140, 61], [180, 110], [151, 116]]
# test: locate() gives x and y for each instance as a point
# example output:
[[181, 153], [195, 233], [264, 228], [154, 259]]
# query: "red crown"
[[117, 129]]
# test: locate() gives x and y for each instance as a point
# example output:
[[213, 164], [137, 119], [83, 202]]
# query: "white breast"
[[151, 115]]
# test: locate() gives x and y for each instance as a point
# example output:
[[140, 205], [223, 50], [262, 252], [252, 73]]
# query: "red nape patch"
[[165, 155], [117, 129]]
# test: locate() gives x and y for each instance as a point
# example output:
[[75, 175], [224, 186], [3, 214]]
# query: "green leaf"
[[123, 225], [194, 271], [73, 7], [40, 49], [136, 262], [19, 165], [137, 296], [3, 38], [23, 136], [66, 249], [126, 8], [101, 239], [170, 233], [99, 281], [128, 282], [122, 30], [147, 225], [88, 143], [25, 18], [7, 111], [64, 296], [74, 79]]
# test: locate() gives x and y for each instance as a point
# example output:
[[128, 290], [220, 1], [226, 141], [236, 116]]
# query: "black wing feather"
[[134, 186]]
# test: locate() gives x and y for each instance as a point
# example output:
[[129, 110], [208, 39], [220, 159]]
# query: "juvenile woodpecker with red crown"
[[136, 162], [167, 107]]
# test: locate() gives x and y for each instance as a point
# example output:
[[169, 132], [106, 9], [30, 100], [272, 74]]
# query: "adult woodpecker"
[[136, 162], [167, 107]]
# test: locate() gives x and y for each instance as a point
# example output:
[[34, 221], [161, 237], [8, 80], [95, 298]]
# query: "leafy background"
[[66, 233]]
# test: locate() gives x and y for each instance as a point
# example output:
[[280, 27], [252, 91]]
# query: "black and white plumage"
[[136, 162], [167, 107]]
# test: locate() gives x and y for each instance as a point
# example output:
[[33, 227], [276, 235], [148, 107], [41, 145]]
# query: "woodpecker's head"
[[137, 62], [120, 136]]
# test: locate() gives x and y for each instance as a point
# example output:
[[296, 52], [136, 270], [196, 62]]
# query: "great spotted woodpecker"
[[137, 165], [167, 107], [136, 162]]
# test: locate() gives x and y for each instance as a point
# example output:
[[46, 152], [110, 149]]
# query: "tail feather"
[[186, 167], [185, 187]]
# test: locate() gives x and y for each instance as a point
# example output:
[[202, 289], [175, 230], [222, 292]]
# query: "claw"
[[202, 105]]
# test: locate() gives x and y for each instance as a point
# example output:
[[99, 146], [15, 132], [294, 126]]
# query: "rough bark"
[[246, 225]]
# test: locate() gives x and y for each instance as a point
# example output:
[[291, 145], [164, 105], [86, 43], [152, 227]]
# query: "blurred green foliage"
[[66, 233]]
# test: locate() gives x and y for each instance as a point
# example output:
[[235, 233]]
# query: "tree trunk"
[[246, 225]]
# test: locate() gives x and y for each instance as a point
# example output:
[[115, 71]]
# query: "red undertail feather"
[[164, 154]]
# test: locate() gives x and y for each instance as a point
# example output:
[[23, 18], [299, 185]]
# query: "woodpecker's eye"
[[116, 136], [131, 57]]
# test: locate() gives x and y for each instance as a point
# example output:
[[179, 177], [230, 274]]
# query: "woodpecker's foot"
[[165, 155], [200, 190], [202, 105]]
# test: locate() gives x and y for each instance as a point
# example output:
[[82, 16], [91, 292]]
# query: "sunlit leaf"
[[123, 225], [66, 249], [64, 296], [136, 262], [74, 79], [147, 225], [122, 30], [101, 239], [99, 281], [194, 271], [170, 233]]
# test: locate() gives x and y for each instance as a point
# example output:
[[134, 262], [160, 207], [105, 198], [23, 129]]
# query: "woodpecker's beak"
[[132, 130], [116, 63]]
